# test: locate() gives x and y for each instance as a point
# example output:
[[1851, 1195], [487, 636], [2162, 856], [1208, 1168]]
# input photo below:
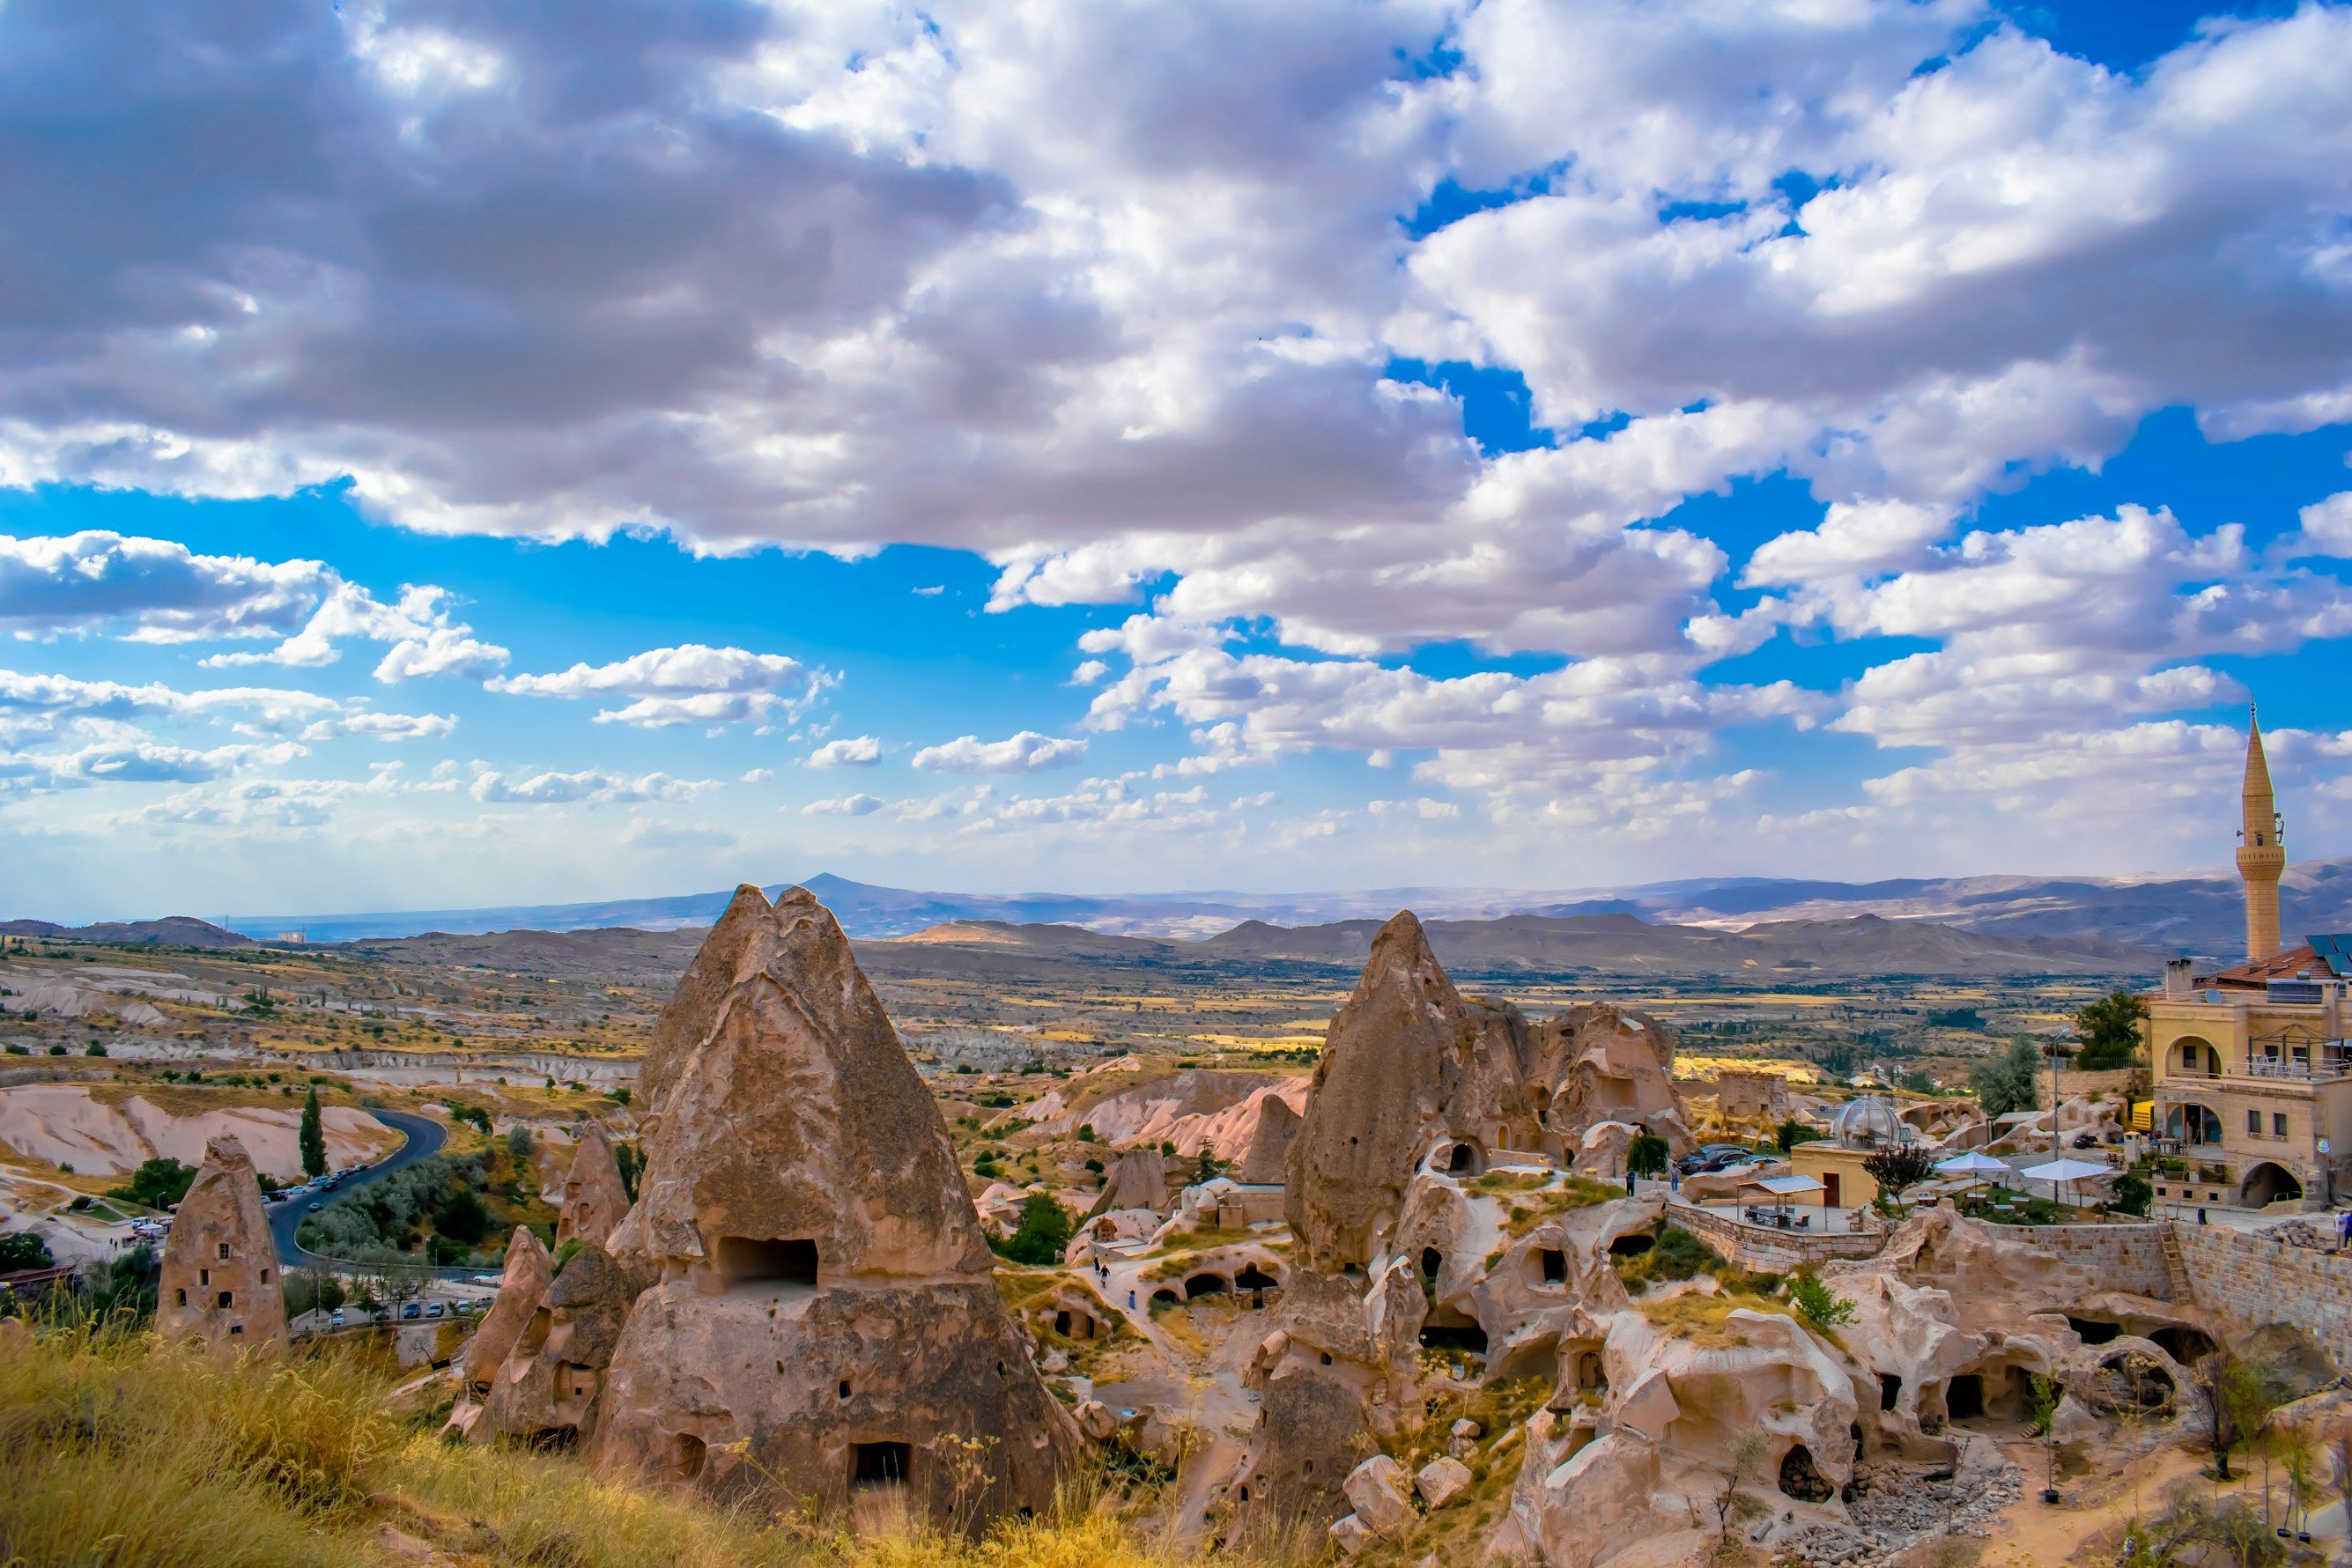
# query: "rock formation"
[[820, 1306], [1269, 1148], [1599, 1063], [521, 1288], [220, 1274], [594, 1197], [1137, 1181], [549, 1388]]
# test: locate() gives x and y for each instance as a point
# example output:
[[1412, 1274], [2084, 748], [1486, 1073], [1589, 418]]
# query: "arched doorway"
[[2269, 1183], [2194, 1125], [1465, 1158]]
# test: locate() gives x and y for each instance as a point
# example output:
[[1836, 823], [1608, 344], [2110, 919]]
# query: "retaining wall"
[[2256, 1280], [2127, 1257], [1774, 1251]]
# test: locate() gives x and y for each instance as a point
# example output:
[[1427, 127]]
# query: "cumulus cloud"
[[859, 804], [590, 786], [850, 752], [149, 590], [689, 684], [1025, 752]]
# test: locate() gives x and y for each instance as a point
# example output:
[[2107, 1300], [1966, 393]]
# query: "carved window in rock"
[[879, 1464], [765, 1261]]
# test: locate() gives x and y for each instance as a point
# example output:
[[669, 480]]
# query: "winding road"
[[425, 1138]]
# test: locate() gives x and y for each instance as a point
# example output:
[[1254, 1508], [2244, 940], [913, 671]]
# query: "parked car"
[[410, 1312], [335, 1318], [436, 1311]]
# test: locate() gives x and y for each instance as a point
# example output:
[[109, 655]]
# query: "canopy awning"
[[1784, 1186], [1972, 1163]]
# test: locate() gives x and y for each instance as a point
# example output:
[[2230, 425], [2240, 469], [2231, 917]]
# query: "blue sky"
[[461, 456]]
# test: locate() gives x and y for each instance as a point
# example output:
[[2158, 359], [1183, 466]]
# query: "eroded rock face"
[[822, 1311], [594, 1197], [220, 1275], [550, 1386], [1139, 1180], [1635, 1479], [1269, 1148], [1409, 1062], [1597, 1062], [521, 1288]]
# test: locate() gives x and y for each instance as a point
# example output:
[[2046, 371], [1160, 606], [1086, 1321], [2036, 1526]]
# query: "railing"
[[2329, 1061]]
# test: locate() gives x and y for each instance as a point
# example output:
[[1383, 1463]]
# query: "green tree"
[[23, 1250], [156, 1183], [632, 1164], [1793, 1131], [1816, 1303], [314, 1135], [2106, 1033], [2010, 1081], [2239, 1396], [1043, 1233], [1646, 1154], [2133, 1194]]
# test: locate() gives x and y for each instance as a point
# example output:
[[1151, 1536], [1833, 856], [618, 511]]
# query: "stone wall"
[[2106, 1080], [1773, 1251], [2127, 1257], [2256, 1280]]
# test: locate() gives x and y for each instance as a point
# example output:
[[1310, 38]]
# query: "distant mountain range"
[[2200, 915]]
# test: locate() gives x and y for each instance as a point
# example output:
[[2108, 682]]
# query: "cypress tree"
[[314, 1136]]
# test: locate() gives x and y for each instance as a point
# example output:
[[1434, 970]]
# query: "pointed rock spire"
[[594, 1197], [520, 1289], [220, 1274]]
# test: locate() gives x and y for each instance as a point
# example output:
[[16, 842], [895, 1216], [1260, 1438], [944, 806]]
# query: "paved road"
[[424, 1137]]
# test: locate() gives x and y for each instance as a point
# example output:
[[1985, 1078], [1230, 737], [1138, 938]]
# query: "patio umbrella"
[[1975, 1165], [2064, 1170]]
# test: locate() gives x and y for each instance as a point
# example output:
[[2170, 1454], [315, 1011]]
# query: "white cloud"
[[860, 805], [590, 786], [1027, 752], [1426, 809], [689, 684], [149, 590], [850, 752]]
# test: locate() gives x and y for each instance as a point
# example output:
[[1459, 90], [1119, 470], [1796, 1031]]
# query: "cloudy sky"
[[473, 451]]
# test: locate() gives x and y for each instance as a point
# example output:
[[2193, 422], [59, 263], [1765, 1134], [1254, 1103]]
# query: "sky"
[[474, 452]]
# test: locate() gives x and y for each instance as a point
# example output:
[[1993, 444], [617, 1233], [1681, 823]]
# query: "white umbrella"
[[1974, 1163], [2056, 1171]]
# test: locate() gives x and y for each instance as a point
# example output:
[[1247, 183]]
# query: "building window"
[[2254, 1123], [2278, 1124], [224, 1249]]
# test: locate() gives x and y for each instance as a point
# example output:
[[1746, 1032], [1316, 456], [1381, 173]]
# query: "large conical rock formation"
[[594, 1197], [1268, 1160], [822, 1318], [220, 1278], [1409, 1064], [1139, 1181]]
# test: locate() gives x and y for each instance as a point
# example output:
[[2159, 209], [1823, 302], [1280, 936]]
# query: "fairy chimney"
[[822, 1318], [221, 1280], [594, 1197]]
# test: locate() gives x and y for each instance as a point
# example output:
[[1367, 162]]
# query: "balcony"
[[2332, 1061]]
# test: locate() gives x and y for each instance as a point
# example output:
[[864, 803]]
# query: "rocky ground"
[[1895, 1507]]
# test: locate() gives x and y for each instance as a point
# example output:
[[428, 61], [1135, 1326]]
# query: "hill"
[[171, 930]]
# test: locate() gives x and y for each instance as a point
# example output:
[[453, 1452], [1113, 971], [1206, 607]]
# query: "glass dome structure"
[[1867, 1123]]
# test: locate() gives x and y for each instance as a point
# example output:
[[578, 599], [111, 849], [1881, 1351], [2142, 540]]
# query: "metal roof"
[[2336, 952]]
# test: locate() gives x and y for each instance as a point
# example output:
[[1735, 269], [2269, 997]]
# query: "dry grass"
[[118, 1449], [1707, 1319]]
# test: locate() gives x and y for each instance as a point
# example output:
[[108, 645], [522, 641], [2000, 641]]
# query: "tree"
[[1207, 1168], [1793, 1131], [156, 1183], [2239, 1396], [632, 1164], [314, 1135], [2106, 1032], [1743, 1457], [1043, 1235], [2133, 1194], [2009, 1081], [1646, 1154], [23, 1250], [1898, 1167]]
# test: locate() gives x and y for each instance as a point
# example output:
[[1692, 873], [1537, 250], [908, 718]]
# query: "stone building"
[[2251, 1069], [220, 1276]]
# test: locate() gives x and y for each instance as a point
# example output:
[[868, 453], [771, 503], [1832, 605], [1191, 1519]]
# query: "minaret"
[[2260, 857]]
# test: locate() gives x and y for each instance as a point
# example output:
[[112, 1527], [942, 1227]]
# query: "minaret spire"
[[2260, 857]]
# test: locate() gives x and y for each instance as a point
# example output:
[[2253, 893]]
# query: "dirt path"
[[2035, 1534]]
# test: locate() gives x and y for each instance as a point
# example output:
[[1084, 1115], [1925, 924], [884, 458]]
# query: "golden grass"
[[1707, 1319], [117, 1449]]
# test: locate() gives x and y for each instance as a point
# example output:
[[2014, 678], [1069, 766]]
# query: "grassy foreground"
[[118, 1450]]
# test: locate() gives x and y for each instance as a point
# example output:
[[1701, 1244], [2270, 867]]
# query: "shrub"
[[156, 1183], [23, 1250], [1817, 1303], [2133, 1194], [1042, 1236], [1794, 1132]]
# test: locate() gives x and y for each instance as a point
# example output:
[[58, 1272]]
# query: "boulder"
[[1441, 1481], [1381, 1494], [594, 1198], [821, 1317], [1352, 1536], [220, 1274]]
